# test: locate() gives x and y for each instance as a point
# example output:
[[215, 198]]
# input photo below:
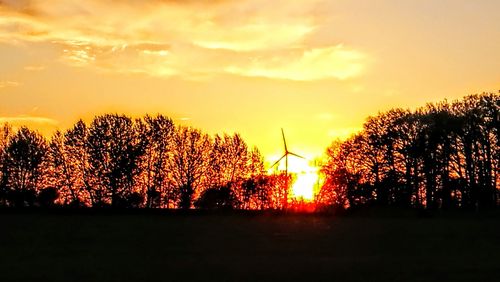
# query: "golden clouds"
[[314, 64], [186, 39]]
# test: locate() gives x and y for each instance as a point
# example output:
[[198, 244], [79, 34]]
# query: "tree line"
[[441, 156], [149, 162]]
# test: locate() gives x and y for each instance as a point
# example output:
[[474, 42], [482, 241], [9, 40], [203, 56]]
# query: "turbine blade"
[[284, 141], [298, 156], [278, 161]]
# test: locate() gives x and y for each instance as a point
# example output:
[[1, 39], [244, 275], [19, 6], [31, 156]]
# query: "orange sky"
[[315, 68]]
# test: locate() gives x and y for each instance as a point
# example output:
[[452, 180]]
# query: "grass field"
[[149, 247]]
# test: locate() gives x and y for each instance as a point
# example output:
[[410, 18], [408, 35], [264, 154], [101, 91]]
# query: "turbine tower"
[[285, 156]]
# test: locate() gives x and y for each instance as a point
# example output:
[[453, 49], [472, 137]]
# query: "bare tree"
[[115, 151], [23, 166], [5, 135], [158, 133], [191, 149]]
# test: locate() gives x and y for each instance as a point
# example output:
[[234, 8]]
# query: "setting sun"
[[305, 185], [305, 177]]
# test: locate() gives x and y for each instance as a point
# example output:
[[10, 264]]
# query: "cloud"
[[6, 83], [44, 125], [27, 120], [184, 38], [34, 68], [321, 63]]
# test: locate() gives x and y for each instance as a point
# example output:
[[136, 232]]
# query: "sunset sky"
[[315, 68]]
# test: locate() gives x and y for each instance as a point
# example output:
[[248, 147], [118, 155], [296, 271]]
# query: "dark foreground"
[[79, 247]]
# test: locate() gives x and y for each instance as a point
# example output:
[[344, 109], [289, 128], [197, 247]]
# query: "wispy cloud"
[[27, 120], [45, 125], [321, 63], [34, 68], [7, 83], [184, 38]]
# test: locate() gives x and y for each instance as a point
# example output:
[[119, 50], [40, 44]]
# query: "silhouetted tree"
[[229, 157], [271, 190], [443, 155], [120, 162], [217, 198], [231, 163], [191, 150], [47, 197], [72, 156], [115, 151], [249, 188], [5, 135], [23, 167], [158, 133], [63, 170]]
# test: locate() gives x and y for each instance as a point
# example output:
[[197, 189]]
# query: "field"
[[247, 247]]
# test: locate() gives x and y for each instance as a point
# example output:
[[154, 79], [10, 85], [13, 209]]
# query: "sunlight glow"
[[303, 187], [306, 177]]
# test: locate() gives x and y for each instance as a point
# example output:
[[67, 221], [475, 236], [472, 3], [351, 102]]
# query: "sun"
[[304, 185], [305, 174], [306, 180]]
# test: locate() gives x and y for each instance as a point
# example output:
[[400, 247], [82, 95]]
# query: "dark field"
[[154, 247]]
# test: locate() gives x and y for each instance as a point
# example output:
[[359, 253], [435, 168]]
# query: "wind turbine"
[[285, 156]]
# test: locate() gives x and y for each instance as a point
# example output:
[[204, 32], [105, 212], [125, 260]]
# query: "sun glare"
[[304, 184], [306, 178]]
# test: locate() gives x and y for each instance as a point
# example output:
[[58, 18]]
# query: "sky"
[[315, 68]]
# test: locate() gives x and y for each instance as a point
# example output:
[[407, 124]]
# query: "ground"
[[247, 247]]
